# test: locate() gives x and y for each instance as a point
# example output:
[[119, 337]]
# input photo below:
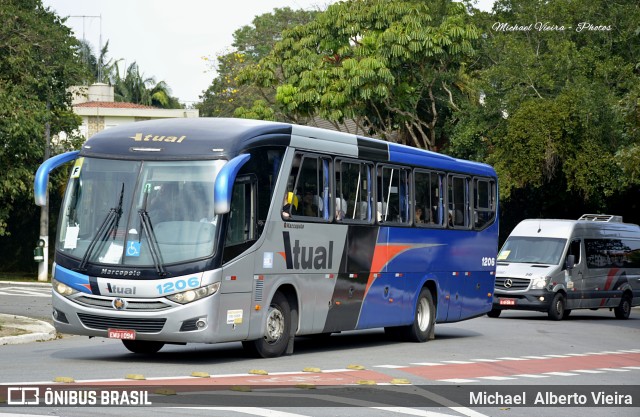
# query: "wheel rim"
[[560, 306], [275, 325], [423, 314]]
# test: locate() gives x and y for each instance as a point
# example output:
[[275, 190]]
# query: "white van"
[[556, 266]]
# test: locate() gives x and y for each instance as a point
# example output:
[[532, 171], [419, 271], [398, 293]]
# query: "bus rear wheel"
[[422, 328], [143, 347], [277, 331]]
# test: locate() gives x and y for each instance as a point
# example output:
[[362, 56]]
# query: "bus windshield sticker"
[[71, 238], [133, 248], [113, 255], [77, 167]]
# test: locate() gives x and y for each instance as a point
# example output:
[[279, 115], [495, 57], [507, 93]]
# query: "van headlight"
[[539, 282], [61, 288], [196, 294]]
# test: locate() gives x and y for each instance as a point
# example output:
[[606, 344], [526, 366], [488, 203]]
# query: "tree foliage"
[[396, 67], [560, 97], [38, 61], [134, 87], [226, 97]]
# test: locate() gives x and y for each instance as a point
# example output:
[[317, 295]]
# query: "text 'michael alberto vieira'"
[[550, 398]]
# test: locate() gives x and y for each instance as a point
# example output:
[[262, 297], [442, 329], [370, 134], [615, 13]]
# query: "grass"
[[19, 276], [10, 331]]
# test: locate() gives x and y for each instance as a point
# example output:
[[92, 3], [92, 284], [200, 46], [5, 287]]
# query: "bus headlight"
[[61, 288], [539, 282], [193, 295]]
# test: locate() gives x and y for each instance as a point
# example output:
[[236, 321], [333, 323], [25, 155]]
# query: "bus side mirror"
[[571, 261], [223, 186]]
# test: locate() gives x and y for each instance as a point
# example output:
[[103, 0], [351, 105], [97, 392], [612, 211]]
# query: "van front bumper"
[[534, 300]]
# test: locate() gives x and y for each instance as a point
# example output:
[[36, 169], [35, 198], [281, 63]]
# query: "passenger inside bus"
[[290, 204]]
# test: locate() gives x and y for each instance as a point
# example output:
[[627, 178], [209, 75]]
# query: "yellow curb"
[[355, 367], [200, 374], [135, 376], [65, 379], [165, 391], [366, 382], [311, 370], [258, 372], [400, 381], [305, 386], [241, 388]]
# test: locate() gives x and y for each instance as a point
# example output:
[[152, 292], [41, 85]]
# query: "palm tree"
[[98, 70], [135, 88]]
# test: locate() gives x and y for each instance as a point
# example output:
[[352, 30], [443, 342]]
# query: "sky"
[[168, 38]]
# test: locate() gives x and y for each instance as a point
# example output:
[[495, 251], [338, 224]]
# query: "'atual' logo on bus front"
[[140, 137], [306, 257]]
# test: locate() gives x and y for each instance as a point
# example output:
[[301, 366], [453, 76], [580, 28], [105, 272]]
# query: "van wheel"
[[422, 328], [556, 309], [623, 311], [143, 347], [277, 331], [494, 313]]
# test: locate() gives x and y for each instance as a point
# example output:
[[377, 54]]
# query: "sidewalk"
[[34, 330]]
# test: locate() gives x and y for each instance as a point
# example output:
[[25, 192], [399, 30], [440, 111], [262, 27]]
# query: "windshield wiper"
[[147, 227], [109, 224], [154, 248]]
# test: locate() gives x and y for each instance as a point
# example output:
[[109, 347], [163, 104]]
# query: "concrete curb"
[[38, 331]]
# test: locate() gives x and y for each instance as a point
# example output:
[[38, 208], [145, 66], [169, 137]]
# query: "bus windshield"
[[533, 250], [134, 213]]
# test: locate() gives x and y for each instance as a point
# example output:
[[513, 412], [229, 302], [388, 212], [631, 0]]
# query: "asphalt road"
[[590, 351]]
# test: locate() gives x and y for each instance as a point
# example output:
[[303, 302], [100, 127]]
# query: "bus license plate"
[[507, 302], [121, 334]]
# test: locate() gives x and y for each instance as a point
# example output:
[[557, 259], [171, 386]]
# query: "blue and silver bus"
[[215, 230]]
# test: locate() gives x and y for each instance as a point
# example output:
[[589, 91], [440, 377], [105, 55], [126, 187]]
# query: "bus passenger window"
[[483, 203], [458, 216], [307, 195], [354, 195]]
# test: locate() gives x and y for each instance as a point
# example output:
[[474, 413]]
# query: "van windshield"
[[532, 250]]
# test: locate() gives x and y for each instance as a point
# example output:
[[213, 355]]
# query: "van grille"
[[139, 325], [512, 284]]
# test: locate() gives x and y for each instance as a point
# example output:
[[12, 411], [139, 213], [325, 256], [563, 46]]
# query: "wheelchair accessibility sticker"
[[133, 248]]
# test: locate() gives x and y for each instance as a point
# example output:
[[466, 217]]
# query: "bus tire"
[[623, 311], [424, 319], [557, 307], [143, 347], [494, 313], [277, 330]]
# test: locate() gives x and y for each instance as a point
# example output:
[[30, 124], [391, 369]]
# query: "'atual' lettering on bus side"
[[307, 257]]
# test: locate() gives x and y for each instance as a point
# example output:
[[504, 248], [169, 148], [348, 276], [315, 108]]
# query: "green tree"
[[250, 44], [396, 67], [560, 99], [134, 87], [99, 68], [38, 62]]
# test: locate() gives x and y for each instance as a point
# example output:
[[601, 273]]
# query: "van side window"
[[612, 253], [574, 249]]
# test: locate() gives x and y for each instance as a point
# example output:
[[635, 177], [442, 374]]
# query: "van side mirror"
[[571, 261]]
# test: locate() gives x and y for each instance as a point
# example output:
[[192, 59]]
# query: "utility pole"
[[43, 267]]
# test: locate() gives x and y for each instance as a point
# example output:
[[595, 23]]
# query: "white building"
[[99, 111]]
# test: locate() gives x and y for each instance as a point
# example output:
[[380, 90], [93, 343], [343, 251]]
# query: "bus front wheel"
[[276, 333], [143, 347]]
